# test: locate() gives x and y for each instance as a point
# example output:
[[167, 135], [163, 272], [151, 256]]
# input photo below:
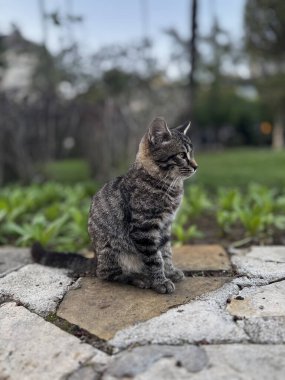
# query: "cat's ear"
[[184, 128], [158, 131]]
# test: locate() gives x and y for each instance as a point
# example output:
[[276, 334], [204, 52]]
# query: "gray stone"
[[37, 287], [234, 362], [260, 262], [139, 359], [243, 362], [272, 253], [104, 308], [32, 349], [85, 373], [263, 301], [201, 258], [264, 330], [12, 258], [164, 369], [203, 320], [246, 281], [262, 312]]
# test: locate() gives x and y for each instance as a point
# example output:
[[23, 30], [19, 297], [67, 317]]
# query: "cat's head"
[[168, 151]]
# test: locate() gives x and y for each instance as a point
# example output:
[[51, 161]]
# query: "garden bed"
[[56, 215]]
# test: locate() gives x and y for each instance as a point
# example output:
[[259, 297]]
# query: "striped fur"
[[130, 217]]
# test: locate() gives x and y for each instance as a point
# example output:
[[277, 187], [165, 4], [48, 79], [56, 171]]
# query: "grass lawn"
[[239, 167], [230, 168], [67, 171]]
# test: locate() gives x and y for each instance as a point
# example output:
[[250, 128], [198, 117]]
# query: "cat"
[[130, 218]]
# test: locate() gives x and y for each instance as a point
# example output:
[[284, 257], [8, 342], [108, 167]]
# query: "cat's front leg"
[[146, 239], [170, 271], [154, 265]]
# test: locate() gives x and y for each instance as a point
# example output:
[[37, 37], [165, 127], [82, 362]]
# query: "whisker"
[[171, 186], [162, 180]]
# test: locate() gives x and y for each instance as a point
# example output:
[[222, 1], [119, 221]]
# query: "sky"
[[121, 21]]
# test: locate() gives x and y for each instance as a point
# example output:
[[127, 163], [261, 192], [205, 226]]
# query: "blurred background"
[[80, 81]]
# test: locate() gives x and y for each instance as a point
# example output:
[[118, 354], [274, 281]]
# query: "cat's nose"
[[194, 165]]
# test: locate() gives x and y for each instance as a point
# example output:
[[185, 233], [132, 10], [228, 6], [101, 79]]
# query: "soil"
[[212, 234]]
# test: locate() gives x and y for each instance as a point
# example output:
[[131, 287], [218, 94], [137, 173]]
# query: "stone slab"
[[12, 258], [33, 349], [268, 253], [201, 258], [35, 286], [234, 362], [263, 301], [243, 362], [104, 308], [138, 360], [165, 369], [203, 320], [266, 263], [265, 329]]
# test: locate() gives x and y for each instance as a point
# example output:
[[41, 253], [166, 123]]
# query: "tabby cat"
[[130, 217]]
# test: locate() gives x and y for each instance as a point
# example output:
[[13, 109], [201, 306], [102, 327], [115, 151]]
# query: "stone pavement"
[[225, 321]]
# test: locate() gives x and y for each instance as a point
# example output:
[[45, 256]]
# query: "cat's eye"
[[182, 155]]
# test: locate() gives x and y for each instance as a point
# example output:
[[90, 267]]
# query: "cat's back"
[[106, 211]]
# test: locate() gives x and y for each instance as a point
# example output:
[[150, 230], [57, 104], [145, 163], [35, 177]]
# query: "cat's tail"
[[76, 263]]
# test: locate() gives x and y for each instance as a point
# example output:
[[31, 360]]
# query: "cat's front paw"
[[175, 275], [166, 287], [142, 283]]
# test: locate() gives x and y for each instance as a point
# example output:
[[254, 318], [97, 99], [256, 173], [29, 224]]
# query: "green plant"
[[183, 234], [229, 202], [196, 201], [252, 220], [229, 199], [226, 219], [56, 214], [38, 230]]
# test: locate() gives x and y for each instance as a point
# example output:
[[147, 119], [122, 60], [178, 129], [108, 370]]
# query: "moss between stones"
[[80, 333], [210, 273]]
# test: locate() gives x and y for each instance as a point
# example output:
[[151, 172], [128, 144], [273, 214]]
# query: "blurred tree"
[[193, 48], [220, 106], [216, 89], [2, 55], [265, 43]]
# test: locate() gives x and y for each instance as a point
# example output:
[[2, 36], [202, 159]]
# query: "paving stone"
[[268, 253], [234, 362], [262, 310], [201, 258], [164, 369], [103, 308], [264, 329], [138, 360], [266, 263], [33, 349], [85, 373], [263, 301], [243, 362], [12, 258], [204, 320], [37, 287]]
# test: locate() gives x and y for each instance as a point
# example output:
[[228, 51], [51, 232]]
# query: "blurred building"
[[20, 58]]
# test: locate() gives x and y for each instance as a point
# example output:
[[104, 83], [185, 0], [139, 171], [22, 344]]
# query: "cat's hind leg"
[[115, 266], [108, 267]]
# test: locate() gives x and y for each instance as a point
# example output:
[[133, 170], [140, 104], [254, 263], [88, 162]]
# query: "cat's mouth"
[[192, 172], [188, 173]]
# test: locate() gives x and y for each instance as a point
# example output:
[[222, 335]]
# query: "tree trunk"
[[193, 58], [278, 134], [193, 49]]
